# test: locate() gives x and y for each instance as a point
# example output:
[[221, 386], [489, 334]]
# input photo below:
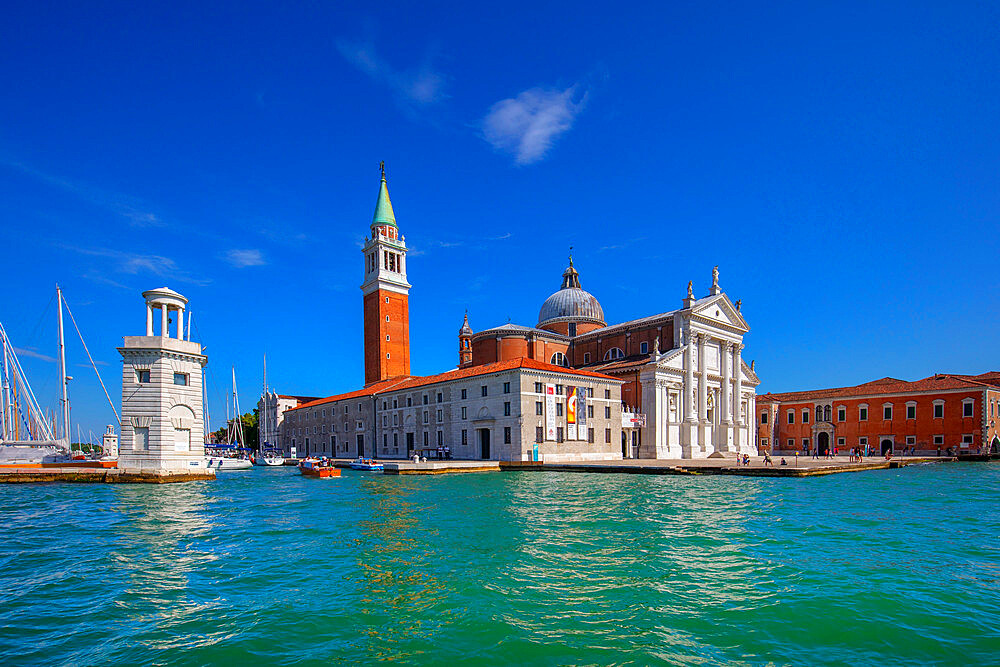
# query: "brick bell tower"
[[386, 295]]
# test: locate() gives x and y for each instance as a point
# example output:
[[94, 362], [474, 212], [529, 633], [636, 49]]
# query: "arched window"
[[559, 359], [614, 353], [826, 413], [819, 413]]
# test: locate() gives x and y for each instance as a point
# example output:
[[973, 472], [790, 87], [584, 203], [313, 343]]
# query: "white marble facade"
[[699, 397]]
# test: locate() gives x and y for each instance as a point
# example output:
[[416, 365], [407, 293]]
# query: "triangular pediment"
[[719, 309]]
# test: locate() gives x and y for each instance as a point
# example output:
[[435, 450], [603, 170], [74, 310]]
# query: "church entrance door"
[[484, 442], [886, 446], [823, 444]]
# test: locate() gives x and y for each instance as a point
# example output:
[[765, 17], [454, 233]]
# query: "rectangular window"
[[967, 409], [862, 441], [938, 439], [590, 411], [409, 401], [966, 439], [465, 394], [440, 397], [559, 409], [440, 415], [887, 412], [539, 434], [426, 419], [465, 437], [805, 442], [911, 440], [181, 379], [142, 377], [425, 438], [791, 416], [911, 412], [506, 409], [607, 412], [395, 403], [559, 434], [590, 435], [440, 438], [590, 392], [938, 410], [506, 387], [842, 414], [841, 442], [607, 435], [140, 439], [463, 413], [506, 435], [763, 442], [539, 388], [538, 408], [586, 357], [425, 399], [863, 414], [559, 390], [805, 416], [643, 347], [791, 443], [483, 390], [395, 440], [763, 418], [607, 393]]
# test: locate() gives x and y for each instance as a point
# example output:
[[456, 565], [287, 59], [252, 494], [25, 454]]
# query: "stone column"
[[180, 324], [738, 359], [726, 360], [688, 394], [164, 326], [149, 319], [702, 381]]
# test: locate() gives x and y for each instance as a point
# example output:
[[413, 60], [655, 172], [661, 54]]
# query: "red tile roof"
[[403, 382], [887, 385]]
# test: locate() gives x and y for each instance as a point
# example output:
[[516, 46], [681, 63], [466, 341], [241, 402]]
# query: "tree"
[[250, 430]]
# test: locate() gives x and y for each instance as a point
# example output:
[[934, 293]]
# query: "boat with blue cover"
[[366, 464]]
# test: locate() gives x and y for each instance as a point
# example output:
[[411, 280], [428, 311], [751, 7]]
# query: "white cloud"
[[31, 352], [527, 125], [421, 85], [135, 263], [246, 257]]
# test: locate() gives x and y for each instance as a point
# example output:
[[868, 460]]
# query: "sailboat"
[[27, 434], [233, 454], [267, 454]]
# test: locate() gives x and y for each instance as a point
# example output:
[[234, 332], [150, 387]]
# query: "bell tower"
[[386, 295], [465, 344]]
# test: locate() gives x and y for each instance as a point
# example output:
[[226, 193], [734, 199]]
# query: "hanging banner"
[[550, 412], [581, 410], [571, 413]]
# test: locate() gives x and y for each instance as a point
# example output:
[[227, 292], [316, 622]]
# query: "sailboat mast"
[[262, 438], [7, 421], [63, 380]]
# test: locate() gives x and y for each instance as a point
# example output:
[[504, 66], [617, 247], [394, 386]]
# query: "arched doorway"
[[995, 446], [823, 444], [886, 446]]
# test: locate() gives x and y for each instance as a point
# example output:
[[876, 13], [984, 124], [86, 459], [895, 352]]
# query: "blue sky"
[[838, 161]]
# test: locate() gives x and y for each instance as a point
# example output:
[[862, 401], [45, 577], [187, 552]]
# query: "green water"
[[266, 567]]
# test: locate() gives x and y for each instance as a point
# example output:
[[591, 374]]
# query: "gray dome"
[[571, 303]]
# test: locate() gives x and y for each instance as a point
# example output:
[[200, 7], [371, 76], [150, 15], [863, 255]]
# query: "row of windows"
[[180, 379], [560, 359], [937, 440], [823, 412]]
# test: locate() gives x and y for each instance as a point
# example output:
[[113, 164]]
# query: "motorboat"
[[226, 457], [361, 463], [269, 457], [318, 468]]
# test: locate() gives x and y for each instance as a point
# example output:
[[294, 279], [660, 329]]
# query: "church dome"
[[571, 303]]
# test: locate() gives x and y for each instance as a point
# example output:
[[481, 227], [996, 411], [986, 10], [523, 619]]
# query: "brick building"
[[935, 414]]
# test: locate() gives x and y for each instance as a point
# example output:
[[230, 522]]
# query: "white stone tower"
[[162, 421]]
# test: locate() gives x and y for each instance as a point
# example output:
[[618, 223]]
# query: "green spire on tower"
[[383, 209]]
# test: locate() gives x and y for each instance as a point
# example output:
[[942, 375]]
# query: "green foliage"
[[250, 430]]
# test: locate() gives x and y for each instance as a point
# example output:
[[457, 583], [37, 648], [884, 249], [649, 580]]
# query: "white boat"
[[27, 434], [366, 464], [267, 454], [234, 454]]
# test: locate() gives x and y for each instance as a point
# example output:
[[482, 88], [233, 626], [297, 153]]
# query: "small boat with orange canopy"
[[318, 468]]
